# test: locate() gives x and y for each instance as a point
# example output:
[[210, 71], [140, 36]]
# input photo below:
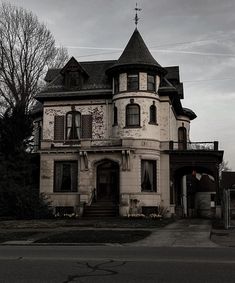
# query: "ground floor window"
[[148, 175], [65, 176]]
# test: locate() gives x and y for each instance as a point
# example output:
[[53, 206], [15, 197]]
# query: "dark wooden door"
[[108, 181]]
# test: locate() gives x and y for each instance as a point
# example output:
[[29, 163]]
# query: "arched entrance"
[[194, 192], [108, 181]]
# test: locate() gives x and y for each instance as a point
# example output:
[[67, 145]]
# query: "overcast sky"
[[196, 35]]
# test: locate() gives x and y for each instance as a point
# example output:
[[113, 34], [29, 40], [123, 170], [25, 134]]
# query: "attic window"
[[132, 82], [72, 79]]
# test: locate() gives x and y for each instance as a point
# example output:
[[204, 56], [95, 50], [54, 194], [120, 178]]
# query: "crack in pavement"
[[106, 269]]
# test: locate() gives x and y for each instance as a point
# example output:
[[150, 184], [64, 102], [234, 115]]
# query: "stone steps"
[[101, 209]]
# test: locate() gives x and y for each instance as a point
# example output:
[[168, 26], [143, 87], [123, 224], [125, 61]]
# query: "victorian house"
[[113, 138]]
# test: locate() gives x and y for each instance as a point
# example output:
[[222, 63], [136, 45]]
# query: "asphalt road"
[[62, 264]]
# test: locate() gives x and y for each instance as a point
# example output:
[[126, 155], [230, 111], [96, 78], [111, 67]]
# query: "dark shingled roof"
[[97, 78], [136, 54], [189, 113]]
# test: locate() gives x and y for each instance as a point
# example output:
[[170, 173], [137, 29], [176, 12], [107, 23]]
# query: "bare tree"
[[27, 48], [223, 167]]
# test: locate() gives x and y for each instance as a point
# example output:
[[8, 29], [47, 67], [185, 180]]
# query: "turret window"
[[182, 138], [116, 84], [151, 82], [153, 114], [115, 116], [132, 82], [132, 115]]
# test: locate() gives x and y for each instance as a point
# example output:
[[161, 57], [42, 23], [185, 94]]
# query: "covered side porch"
[[194, 178]]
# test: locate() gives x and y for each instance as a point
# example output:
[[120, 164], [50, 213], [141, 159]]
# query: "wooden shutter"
[[86, 126], [59, 128]]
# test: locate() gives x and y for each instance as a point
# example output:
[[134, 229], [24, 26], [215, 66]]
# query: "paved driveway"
[[182, 233]]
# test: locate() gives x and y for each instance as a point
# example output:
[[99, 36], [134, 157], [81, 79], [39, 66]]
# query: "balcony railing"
[[210, 146]]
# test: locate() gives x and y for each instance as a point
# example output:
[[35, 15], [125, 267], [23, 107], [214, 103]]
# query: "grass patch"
[[96, 236], [16, 236]]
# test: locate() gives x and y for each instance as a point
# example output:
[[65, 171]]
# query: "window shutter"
[[86, 126], [59, 128]]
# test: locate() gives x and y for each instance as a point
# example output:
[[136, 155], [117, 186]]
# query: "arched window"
[[132, 115], [153, 114], [182, 138], [73, 125], [115, 116]]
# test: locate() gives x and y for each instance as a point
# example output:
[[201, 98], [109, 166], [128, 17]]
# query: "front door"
[[108, 181]]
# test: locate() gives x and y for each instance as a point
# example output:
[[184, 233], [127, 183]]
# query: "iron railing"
[[193, 145]]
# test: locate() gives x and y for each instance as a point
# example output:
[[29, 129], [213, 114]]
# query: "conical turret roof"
[[136, 54]]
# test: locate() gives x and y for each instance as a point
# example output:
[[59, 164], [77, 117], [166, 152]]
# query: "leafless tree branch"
[[27, 49]]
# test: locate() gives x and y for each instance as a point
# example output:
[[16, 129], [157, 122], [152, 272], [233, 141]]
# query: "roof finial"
[[136, 14]]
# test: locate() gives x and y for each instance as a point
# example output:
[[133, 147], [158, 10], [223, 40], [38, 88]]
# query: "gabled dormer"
[[73, 74]]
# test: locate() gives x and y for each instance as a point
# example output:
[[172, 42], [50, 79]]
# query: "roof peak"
[[137, 53]]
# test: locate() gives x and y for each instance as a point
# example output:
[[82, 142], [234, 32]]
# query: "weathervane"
[[136, 14]]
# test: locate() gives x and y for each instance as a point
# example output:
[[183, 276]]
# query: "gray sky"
[[196, 35]]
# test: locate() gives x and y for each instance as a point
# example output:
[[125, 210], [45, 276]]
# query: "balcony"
[[194, 146]]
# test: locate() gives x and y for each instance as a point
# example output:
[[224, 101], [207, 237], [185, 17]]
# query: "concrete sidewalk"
[[182, 233], [223, 237]]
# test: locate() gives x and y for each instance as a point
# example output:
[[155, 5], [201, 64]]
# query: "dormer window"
[[72, 79], [132, 82], [151, 82], [73, 74]]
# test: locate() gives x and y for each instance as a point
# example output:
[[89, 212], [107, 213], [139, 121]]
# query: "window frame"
[[153, 84], [116, 84], [76, 130], [154, 175], [59, 166], [132, 85], [153, 114], [115, 116], [182, 138], [128, 115]]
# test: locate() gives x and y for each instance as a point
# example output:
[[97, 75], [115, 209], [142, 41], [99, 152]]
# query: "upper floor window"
[[182, 138], [132, 115], [116, 84], [151, 82], [153, 114], [132, 81], [73, 125]]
